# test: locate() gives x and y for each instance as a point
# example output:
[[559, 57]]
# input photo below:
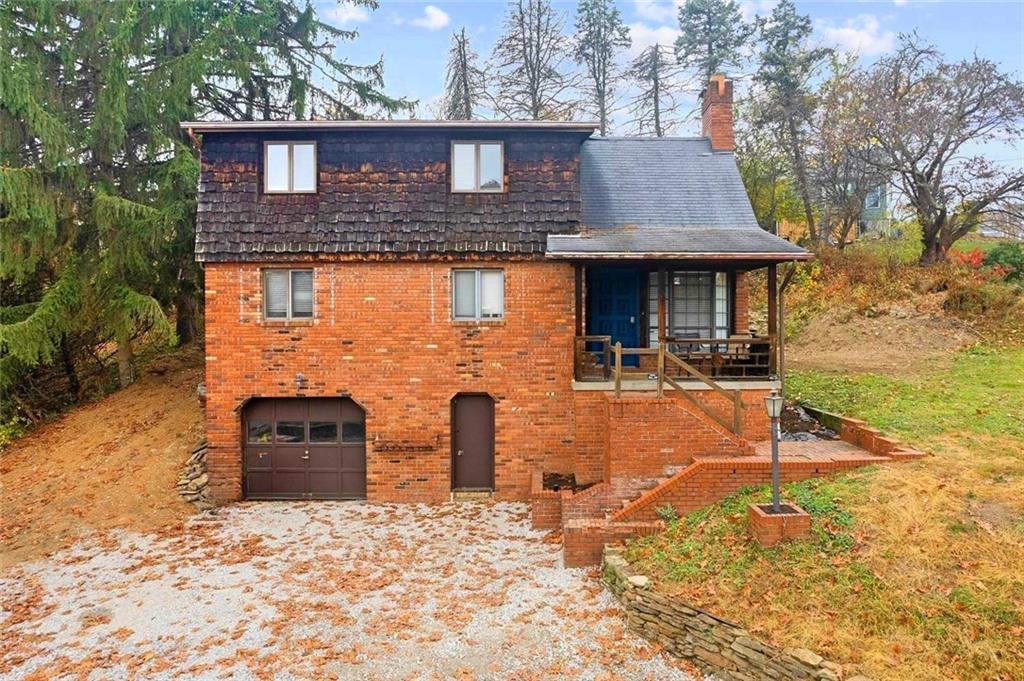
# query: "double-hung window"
[[478, 167], [289, 167], [288, 294], [478, 294], [698, 305]]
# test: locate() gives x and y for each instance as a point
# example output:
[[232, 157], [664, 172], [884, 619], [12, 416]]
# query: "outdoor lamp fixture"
[[773, 404]]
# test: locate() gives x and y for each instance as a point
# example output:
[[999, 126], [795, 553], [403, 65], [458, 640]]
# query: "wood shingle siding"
[[385, 193]]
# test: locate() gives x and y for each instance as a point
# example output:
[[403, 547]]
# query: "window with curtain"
[[478, 294], [698, 305], [288, 294]]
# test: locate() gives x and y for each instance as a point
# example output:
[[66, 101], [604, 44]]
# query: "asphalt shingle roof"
[[664, 195]]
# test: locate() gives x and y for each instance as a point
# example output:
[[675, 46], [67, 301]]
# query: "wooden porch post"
[[773, 319], [662, 305], [662, 333]]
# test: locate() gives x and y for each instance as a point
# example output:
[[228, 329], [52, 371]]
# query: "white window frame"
[[289, 317], [476, 167], [477, 314], [291, 144]]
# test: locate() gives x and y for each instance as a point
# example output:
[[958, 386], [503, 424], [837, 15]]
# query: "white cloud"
[[658, 11], [433, 19], [644, 36], [347, 13], [861, 35], [900, 2], [752, 8]]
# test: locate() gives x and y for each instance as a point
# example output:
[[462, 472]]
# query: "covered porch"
[[656, 319], [680, 325]]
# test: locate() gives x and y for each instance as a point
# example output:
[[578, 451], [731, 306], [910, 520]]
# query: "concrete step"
[[472, 495]]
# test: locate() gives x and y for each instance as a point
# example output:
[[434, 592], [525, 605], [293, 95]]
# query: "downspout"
[[782, 327]]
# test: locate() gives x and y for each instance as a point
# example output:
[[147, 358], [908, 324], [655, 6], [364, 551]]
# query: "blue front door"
[[614, 307]]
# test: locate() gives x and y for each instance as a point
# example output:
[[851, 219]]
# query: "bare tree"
[[600, 34], [655, 109], [464, 82], [529, 62], [841, 159], [927, 117]]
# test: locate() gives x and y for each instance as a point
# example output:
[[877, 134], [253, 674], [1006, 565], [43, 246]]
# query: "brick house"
[[396, 310]]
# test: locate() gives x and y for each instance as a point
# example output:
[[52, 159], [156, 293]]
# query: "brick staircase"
[[672, 453]]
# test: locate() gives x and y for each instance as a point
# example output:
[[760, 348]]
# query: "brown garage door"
[[297, 448]]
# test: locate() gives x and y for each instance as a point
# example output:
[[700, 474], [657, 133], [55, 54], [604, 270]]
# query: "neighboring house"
[[875, 219], [399, 309]]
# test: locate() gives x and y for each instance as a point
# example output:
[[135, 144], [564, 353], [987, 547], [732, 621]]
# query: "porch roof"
[[728, 243], [665, 198]]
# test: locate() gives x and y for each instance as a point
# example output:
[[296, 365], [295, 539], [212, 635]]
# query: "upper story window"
[[478, 166], [289, 167], [873, 198], [288, 294], [478, 294]]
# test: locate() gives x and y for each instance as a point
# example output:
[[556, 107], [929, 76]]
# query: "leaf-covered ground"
[[320, 590]]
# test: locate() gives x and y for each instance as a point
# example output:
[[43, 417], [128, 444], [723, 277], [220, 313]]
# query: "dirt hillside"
[[899, 338], [109, 464]]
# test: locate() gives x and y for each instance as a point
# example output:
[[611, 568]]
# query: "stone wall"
[[716, 646]]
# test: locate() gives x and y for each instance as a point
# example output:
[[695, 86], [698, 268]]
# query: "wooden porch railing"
[[612, 368]]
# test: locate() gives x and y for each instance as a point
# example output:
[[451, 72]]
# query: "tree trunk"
[[933, 251], [801, 178], [125, 363], [185, 309], [68, 364]]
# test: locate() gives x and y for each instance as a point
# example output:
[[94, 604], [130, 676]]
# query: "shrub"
[[974, 297], [667, 513], [1007, 260]]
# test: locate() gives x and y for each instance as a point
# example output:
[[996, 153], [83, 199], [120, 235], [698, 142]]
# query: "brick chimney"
[[716, 113]]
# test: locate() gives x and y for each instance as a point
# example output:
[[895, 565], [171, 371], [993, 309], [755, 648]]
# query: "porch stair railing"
[[733, 423]]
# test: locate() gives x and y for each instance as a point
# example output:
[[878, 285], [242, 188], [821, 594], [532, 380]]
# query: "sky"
[[413, 37]]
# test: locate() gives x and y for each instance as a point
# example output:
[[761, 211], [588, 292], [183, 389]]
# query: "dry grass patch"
[[914, 569]]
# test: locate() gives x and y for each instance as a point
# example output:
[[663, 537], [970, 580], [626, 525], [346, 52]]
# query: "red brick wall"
[[383, 335], [591, 410], [741, 304], [716, 113], [646, 434], [583, 541], [707, 481]]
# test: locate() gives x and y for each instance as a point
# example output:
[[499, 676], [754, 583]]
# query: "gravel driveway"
[[321, 590]]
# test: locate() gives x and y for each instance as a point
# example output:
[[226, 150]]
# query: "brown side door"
[[473, 442], [297, 448]]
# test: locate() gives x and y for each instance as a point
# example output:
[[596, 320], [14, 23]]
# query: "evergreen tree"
[[529, 62], [97, 182], [464, 83], [655, 73], [600, 34], [713, 35], [788, 63]]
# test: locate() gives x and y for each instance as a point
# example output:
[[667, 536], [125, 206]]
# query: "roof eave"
[[200, 127], [666, 255]]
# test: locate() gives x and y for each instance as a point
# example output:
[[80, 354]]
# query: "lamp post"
[[773, 405]]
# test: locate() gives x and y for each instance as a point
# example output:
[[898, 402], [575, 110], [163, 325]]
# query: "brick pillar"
[[741, 304], [716, 113]]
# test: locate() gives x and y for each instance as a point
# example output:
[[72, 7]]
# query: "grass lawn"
[[915, 570]]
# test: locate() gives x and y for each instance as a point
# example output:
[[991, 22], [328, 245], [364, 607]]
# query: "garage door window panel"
[[291, 431], [259, 431], [323, 432]]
